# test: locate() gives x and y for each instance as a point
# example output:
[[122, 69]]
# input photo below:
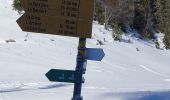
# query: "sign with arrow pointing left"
[[58, 17], [57, 75]]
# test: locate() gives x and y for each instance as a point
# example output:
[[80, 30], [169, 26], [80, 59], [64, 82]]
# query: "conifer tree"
[[17, 6]]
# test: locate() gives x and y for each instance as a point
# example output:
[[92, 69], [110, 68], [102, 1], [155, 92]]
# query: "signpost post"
[[80, 67], [68, 18]]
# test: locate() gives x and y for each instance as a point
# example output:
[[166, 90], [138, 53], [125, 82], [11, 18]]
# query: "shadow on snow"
[[25, 87], [144, 95]]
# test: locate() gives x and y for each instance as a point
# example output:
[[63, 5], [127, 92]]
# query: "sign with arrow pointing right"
[[96, 54]]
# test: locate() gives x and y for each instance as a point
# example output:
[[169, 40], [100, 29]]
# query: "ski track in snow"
[[17, 86], [167, 80], [152, 71], [114, 65]]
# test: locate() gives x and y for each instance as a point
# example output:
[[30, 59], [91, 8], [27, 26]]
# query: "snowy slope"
[[124, 73]]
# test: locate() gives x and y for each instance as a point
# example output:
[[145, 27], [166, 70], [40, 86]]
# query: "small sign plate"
[[57, 75], [95, 54]]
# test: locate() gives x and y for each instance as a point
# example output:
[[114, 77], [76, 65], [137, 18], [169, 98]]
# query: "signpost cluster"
[[58, 17], [67, 18]]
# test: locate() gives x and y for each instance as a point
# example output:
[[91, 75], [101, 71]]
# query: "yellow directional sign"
[[59, 17], [67, 8], [55, 25]]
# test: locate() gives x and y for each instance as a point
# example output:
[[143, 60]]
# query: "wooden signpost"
[[67, 18], [55, 25], [82, 9], [58, 17]]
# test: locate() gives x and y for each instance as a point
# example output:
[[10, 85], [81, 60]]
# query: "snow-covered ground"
[[129, 71]]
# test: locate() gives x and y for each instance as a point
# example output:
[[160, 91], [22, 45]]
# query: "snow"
[[129, 71]]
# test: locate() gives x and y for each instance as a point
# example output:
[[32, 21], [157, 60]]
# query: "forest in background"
[[147, 17]]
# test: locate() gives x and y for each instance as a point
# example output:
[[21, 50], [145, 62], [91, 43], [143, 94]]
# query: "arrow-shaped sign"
[[57, 75], [96, 54], [58, 17], [55, 25]]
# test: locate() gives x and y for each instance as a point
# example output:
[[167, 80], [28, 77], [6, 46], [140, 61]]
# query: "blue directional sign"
[[95, 54], [57, 75]]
